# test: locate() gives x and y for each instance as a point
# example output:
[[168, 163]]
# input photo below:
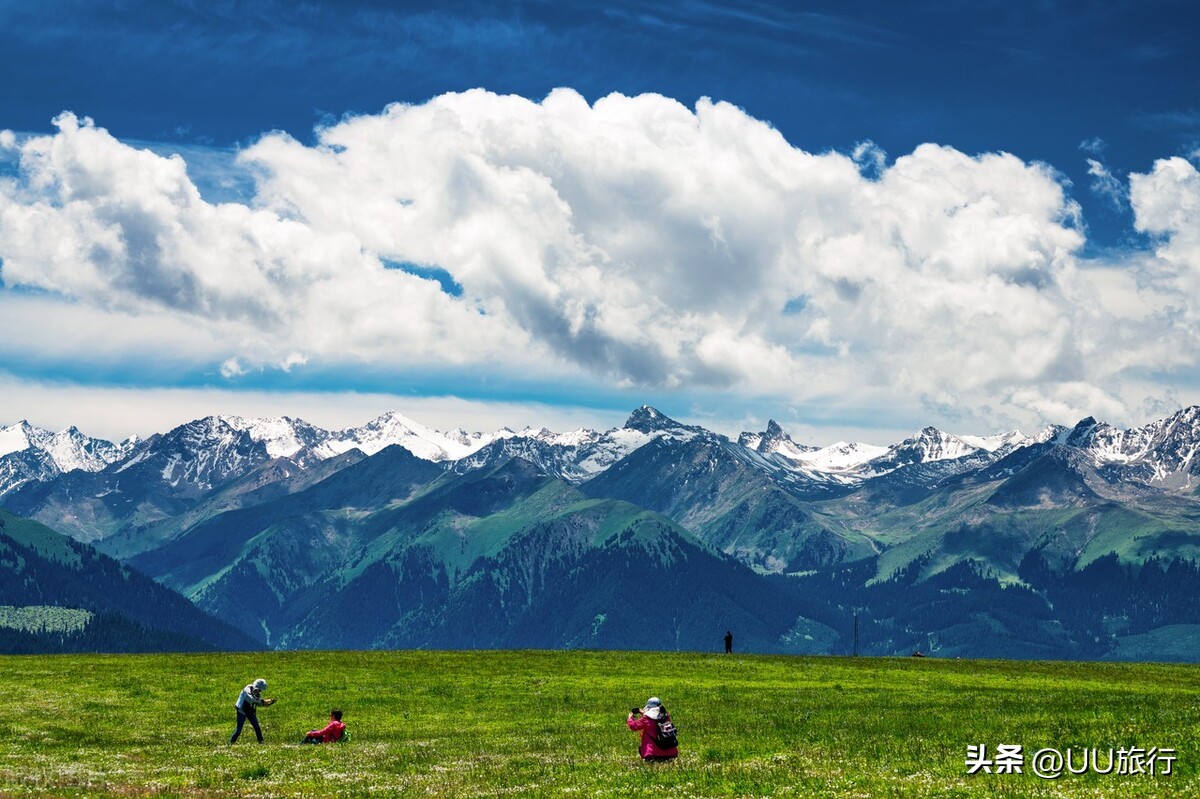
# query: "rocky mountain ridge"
[[267, 523], [205, 451]]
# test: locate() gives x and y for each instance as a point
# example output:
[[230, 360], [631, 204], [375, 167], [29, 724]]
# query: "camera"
[[636, 711]]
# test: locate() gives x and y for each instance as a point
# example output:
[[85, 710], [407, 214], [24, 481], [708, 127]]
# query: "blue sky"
[[1098, 93]]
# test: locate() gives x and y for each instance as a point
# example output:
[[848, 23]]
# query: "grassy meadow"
[[553, 724]]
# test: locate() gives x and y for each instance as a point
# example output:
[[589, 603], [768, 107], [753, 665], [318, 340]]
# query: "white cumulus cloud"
[[1166, 205], [126, 230], [637, 240]]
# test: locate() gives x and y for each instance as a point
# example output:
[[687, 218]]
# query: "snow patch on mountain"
[[604, 450], [842, 456], [1009, 441]]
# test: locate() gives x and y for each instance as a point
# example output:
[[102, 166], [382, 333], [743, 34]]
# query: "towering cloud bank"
[[635, 240]]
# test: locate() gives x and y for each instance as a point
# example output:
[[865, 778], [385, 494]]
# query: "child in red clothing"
[[332, 731]]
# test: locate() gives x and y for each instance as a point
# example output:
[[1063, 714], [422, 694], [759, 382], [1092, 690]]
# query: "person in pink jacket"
[[332, 731], [658, 732]]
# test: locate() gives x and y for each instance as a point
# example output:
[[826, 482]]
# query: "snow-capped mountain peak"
[[1165, 452], [424, 442], [581, 454], [72, 450], [21, 436], [1081, 434], [649, 423], [925, 446], [999, 442], [33, 454], [842, 456], [68, 449], [282, 436], [932, 444], [750, 440], [649, 420], [774, 440], [208, 451], [574, 438]]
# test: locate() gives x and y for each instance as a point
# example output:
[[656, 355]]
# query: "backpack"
[[664, 733]]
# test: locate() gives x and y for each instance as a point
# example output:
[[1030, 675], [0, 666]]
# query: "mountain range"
[[650, 535]]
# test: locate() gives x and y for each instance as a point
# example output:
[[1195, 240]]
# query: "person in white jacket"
[[247, 705]]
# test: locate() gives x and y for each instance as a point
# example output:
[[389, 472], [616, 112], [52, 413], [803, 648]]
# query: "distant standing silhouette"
[[728, 643]]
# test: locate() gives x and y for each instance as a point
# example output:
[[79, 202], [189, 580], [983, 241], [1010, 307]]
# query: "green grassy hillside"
[[65, 596], [552, 724]]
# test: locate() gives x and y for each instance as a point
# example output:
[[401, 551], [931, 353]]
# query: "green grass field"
[[553, 724]]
